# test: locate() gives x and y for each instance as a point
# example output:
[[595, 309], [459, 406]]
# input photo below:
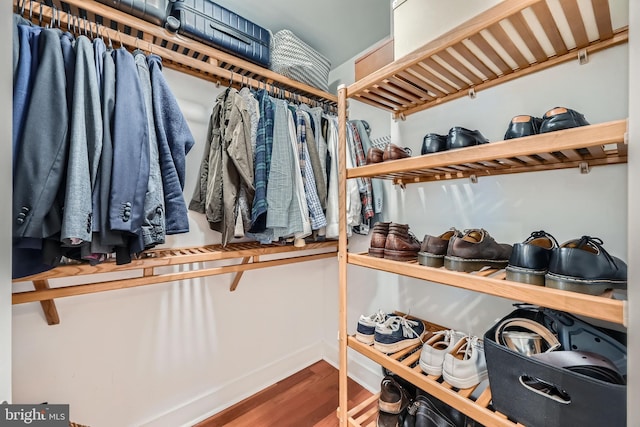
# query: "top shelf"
[[178, 52], [583, 147], [512, 39]]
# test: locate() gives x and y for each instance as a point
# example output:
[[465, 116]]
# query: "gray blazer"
[[85, 146]]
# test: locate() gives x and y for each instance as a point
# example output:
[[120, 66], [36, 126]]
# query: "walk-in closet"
[[366, 213]]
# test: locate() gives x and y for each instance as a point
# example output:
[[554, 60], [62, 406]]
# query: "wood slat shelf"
[[508, 41], [492, 282], [178, 52], [249, 253], [593, 145], [405, 364]]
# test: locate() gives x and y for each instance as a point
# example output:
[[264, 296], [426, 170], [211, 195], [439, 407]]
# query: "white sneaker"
[[367, 326], [434, 350], [465, 365]]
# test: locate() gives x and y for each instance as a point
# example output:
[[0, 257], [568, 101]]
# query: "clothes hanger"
[[40, 15]]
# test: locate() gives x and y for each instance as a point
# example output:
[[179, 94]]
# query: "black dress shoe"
[[432, 143], [523, 126], [560, 118], [529, 260], [583, 265], [460, 137]]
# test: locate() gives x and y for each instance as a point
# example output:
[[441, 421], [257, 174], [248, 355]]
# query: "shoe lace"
[[542, 234], [394, 323], [597, 242], [379, 316], [471, 342]]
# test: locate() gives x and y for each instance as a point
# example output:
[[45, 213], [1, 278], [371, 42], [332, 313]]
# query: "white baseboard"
[[232, 392], [362, 370]]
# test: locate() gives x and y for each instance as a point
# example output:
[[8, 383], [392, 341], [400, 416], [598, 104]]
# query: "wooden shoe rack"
[[457, 64]]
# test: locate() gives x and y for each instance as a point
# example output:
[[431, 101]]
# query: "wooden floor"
[[306, 398]]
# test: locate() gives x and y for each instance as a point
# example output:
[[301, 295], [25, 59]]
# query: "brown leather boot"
[[401, 245], [378, 239]]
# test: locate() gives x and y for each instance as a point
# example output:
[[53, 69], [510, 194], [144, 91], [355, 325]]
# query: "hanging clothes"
[[227, 164], [283, 213], [366, 190], [262, 164], [85, 146], [26, 65], [376, 183], [105, 239], [316, 214], [41, 159], [153, 223], [314, 157], [174, 143], [130, 171]]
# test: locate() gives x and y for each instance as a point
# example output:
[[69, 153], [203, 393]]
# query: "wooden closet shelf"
[[405, 364], [178, 52], [249, 253], [586, 146], [508, 41], [492, 282]]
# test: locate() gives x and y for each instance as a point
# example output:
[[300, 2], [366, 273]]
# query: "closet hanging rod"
[[150, 36]]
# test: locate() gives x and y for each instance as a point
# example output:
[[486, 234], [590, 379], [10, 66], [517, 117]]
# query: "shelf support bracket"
[[584, 168], [48, 306], [472, 93], [583, 56], [238, 276], [473, 178]]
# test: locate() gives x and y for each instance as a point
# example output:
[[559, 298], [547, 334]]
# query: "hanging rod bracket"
[[583, 56], [472, 93], [584, 168], [473, 178]]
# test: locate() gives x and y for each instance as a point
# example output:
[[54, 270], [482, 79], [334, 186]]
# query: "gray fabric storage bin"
[[293, 58]]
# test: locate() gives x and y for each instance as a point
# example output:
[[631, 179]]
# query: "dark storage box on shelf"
[[155, 11], [588, 402], [212, 24]]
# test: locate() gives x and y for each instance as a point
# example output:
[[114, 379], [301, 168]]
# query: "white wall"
[[6, 90], [170, 354], [633, 395], [564, 203], [418, 21]]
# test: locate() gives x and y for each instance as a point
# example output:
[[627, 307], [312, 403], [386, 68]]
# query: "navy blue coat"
[[130, 170], [174, 142]]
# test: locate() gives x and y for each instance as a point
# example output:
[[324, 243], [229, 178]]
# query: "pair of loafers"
[[458, 137], [578, 265], [390, 152], [557, 118]]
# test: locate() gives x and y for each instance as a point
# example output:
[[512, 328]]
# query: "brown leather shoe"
[[434, 248], [378, 239], [475, 250], [374, 155], [393, 400], [401, 245], [394, 152]]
